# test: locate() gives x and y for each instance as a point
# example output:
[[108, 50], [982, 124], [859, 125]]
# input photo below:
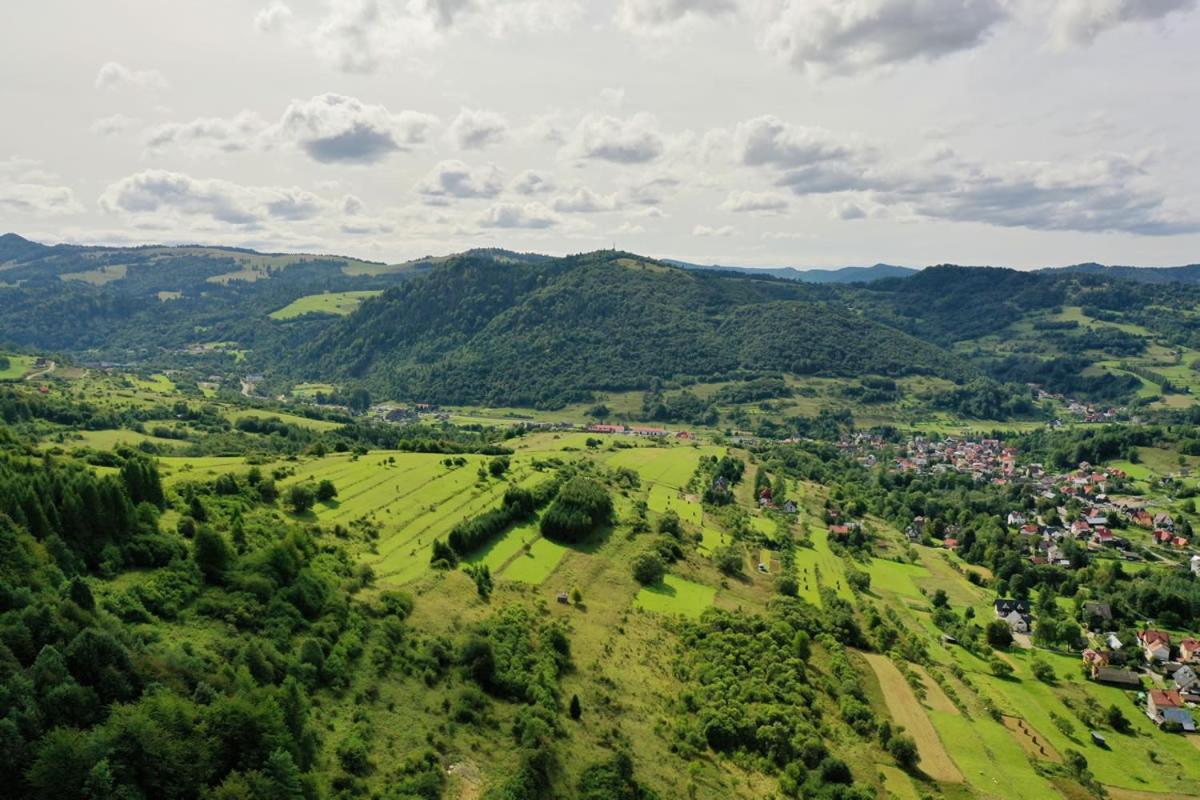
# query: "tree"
[[669, 523], [648, 568], [498, 466], [728, 559], [998, 634], [1117, 720], [940, 599], [326, 491], [576, 595], [301, 498], [1042, 671], [903, 748], [211, 554], [1000, 668], [359, 401], [575, 709]]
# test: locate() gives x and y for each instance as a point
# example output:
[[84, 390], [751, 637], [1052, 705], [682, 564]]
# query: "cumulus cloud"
[[770, 140], [112, 125], [454, 179], [37, 199], [1102, 194], [847, 211], [362, 35], [26, 188], [585, 201], [207, 134], [517, 215], [633, 140], [474, 129], [655, 16], [329, 128], [707, 231], [531, 182], [768, 202], [1079, 22], [114, 75], [333, 128], [274, 18], [846, 36], [156, 192]]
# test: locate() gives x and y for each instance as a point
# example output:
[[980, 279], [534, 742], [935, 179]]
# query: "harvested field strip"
[[935, 697], [905, 710], [1035, 746]]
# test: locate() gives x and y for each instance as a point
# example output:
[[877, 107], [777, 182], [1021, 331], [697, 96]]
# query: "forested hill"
[[477, 330], [1189, 273]]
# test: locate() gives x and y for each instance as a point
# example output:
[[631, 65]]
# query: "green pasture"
[[336, 303], [18, 366], [675, 595]]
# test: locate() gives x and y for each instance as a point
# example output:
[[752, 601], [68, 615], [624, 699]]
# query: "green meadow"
[[335, 303]]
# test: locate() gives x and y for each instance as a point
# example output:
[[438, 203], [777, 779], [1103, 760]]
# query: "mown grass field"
[[291, 419], [674, 595], [18, 365], [336, 303]]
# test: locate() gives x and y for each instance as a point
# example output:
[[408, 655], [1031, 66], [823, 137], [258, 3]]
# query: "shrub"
[[648, 568]]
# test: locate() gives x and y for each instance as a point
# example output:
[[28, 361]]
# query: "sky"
[[807, 133]]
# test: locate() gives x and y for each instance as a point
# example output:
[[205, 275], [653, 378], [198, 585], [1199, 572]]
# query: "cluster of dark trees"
[[581, 507], [469, 535]]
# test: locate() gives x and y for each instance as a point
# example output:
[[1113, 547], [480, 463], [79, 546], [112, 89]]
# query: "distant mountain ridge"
[[875, 272], [1188, 273]]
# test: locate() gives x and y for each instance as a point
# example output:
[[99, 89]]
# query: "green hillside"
[[475, 331]]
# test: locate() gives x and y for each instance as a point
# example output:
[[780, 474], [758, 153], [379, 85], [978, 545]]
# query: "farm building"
[[1156, 645]]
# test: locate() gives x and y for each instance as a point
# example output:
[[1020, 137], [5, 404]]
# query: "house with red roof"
[[1155, 644], [1189, 651]]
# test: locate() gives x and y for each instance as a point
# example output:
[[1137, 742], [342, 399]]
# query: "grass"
[[536, 564], [18, 366], [291, 419], [107, 440], [897, 578], [336, 303], [674, 595], [905, 710], [157, 384]]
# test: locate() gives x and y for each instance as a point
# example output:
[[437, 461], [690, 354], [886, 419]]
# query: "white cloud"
[[515, 215], [847, 211], [112, 125], [770, 140], [1079, 22], [633, 140], [274, 18], [655, 16], [333, 128], [531, 182], [707, 231], [207, 135], [454, 179], [755, 202], [114, 75], [156, 192], [37, 199], [362, 35], [475, 129], [847, 36], [585, 201]]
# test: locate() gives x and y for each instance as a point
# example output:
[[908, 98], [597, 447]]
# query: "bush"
[[998, 634], [326, 491], [1043, 671], [903, 748], [1000, 668], [648, 568], [728, 559], [301, 498]]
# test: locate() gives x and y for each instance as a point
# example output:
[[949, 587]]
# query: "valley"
[[506, 527]]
